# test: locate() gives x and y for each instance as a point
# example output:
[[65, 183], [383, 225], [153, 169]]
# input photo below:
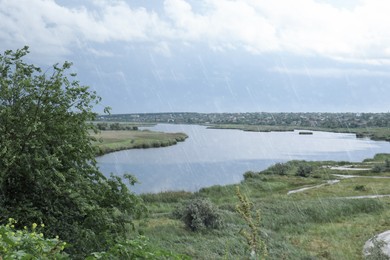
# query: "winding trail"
[[342, 176], [330, 182]]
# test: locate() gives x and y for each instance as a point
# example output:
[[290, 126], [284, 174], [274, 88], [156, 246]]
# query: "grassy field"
[[318, 223], [375, 133], [111, 141]]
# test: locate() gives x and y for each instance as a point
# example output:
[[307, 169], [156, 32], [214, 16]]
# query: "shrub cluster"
[[199, 214], [382, 168], [304, 170]]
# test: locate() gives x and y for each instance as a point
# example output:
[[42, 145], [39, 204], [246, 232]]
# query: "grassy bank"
[[375, 133], [111, 140], [318, 223]]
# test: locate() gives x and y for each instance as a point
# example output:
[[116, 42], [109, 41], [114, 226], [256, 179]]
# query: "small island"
[[305, 133]]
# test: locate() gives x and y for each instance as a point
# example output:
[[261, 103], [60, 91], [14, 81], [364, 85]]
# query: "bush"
[[304, 170], [377, 169], [360, 188], [199, 214], [280, 168], [250, 174], [28, 244]]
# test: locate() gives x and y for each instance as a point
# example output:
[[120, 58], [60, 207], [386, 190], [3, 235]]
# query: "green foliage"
[[199, 214], [304, 170], [138, 248], [360, 188], [385, 167], [102, 126], [250, 174], [48, 172], [280, 168], [28, 244], [256, 245], [166, 196]]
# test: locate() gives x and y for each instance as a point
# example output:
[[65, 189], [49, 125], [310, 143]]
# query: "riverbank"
[[374, 133], [116, 140], [321, 223]]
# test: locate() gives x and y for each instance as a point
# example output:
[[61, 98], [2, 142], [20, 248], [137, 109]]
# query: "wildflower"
[[34, 226]]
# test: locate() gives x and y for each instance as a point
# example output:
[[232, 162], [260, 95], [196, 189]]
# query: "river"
[[219, 156]]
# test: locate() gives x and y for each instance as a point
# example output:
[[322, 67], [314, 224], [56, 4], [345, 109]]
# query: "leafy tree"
[[280, 168], [48, 172], [102, 126]]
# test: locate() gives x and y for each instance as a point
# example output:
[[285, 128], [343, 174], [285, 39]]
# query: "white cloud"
[[304, 27], [359, 33], [51, 29]]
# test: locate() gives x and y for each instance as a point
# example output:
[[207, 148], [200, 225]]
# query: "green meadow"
[[115, 140], [325, 222]]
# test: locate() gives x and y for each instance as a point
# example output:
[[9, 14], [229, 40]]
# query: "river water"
[[218, 157]]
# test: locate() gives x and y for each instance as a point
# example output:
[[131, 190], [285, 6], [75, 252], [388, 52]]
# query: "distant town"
[[321, 120]]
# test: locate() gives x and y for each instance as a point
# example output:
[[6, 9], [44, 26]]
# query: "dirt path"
[[348, 168], [342, 176], [330, 182]]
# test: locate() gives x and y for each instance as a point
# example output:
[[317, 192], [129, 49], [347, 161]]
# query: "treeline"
[[115, 126], [322, 120]]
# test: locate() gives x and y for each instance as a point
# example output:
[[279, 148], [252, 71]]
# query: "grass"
[[111, 140], [374, 133], [315, 224]]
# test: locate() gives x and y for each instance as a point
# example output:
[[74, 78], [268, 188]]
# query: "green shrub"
[[360, 188], [28, 244], [304, 170], [199, 214], [280, 168], [377, 169], [250, 174]]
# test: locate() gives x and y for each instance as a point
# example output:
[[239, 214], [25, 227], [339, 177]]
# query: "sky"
[[213, 55]]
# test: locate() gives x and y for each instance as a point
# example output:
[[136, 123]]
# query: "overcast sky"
[[213, 55]]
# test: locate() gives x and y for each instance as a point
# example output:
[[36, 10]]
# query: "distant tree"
[[280, 168], [115, 126], [48, 172], [387, 164], [102, 126]]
